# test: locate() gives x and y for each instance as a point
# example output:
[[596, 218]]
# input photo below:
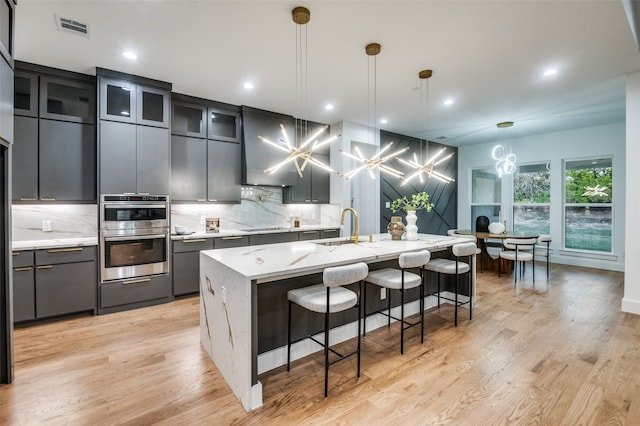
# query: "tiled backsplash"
[[260, 207], [67, 221]]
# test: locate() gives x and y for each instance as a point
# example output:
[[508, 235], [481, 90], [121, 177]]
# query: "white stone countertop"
[[250, 231], [276, 261], [54, 243]]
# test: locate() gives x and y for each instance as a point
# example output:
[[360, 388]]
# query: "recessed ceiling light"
[[248, 85], [448, 102], [130, 55], [328, 107], [550, 72], [384, 121]]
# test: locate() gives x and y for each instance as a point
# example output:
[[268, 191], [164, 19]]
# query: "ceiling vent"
[[72, 26]]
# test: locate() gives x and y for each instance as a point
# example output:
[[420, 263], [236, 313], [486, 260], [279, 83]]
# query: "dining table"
[[487, 260]]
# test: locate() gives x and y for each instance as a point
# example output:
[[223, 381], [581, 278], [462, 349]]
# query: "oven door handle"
[[136, 237], [134, 206]]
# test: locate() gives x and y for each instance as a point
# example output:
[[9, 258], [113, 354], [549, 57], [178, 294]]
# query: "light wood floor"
[[556, 354]]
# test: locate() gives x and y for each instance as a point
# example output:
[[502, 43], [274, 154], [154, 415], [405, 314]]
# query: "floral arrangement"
[[418, 201]]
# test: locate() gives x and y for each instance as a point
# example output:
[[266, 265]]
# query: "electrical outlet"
[[203, 219], [383, 293], [46, 226], [387, 205], [224, 294]]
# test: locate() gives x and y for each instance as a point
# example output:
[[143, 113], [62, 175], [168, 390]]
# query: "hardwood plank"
[[559, 352]]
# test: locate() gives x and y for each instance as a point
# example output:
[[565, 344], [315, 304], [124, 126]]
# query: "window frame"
[[514, 204]]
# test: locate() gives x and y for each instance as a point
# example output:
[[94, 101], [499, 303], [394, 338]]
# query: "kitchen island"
[[229, 281]]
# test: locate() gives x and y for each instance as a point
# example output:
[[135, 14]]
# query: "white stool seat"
[[314, 298], [522, 256], [446, 266], [392, 278]]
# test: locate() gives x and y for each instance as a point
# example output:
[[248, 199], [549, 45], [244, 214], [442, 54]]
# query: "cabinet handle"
[[232, 238], [141, 280], [16, 253], [199, 240], [314, 201], [309, 232], [307, 201], [144, 193], [26, 268], [27, 199], [201, 200], [44, 267], [64, 250], [214, 200], [47, 199], [129, 193]]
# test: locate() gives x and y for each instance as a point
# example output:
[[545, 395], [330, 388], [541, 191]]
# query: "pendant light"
[[377, 160], [299, 150], [428, 167]]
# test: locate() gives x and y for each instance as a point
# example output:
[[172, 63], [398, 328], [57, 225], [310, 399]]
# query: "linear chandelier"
[[300, 151], [374, 162]]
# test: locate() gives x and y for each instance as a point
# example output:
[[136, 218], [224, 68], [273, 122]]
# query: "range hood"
[[258, 155]]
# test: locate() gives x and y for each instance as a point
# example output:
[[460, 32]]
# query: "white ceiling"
[[488, 56]]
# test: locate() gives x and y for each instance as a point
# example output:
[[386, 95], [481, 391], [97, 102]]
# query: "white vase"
[[411, 230]]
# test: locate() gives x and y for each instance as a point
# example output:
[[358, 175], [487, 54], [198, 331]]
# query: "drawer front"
[[23, 258], [65, 288], [195, 244], [135, 290], [65, 255], [309, 235], [330, 233], [283, 237], [226, 242]]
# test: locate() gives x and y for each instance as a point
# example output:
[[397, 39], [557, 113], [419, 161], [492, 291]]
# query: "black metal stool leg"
[[289, 339]]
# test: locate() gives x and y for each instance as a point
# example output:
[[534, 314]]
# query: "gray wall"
[[444, 195]]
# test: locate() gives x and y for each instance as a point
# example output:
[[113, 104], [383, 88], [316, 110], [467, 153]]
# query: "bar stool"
[[401, 280], [520, 250], [543, 249], [452, 233], [328, 298], [457, 268]]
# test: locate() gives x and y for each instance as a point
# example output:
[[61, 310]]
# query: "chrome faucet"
[[355, 225]]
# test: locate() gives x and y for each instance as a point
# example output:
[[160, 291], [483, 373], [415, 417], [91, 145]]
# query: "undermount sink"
[[336, 243]]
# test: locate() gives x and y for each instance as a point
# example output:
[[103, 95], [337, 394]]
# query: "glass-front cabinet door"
[[223, 125], [67, 100], [189, 119], [117, 100], [25, 95], [153, 106]]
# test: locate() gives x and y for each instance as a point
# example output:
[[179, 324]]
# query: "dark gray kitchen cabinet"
[[24, 294], [224, 172], [186, 264], [188, 169], [25, 94], [128, 102], [67, 161], [54, 161], [279, 237], [6, 106], [223, 125], [231, 241], [188, 119], [25, 159], [52, 282], [134, 293], [133, 159], [67, 100], [312, 188], [330, 233], [310, 235]]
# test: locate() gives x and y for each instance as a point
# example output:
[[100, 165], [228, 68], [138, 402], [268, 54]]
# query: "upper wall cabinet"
[[223, 125], [126, 101], [25, 96], [67, 100], [188, 119], [259, 155], [7, 19]]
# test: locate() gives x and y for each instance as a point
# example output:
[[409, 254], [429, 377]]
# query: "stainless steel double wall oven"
[[134, 236]]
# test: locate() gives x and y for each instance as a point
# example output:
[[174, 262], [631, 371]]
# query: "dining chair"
[[519, 250]]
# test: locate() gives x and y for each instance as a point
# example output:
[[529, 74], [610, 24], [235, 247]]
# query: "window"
[[486, 193], [588, 205], [531, 198]]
